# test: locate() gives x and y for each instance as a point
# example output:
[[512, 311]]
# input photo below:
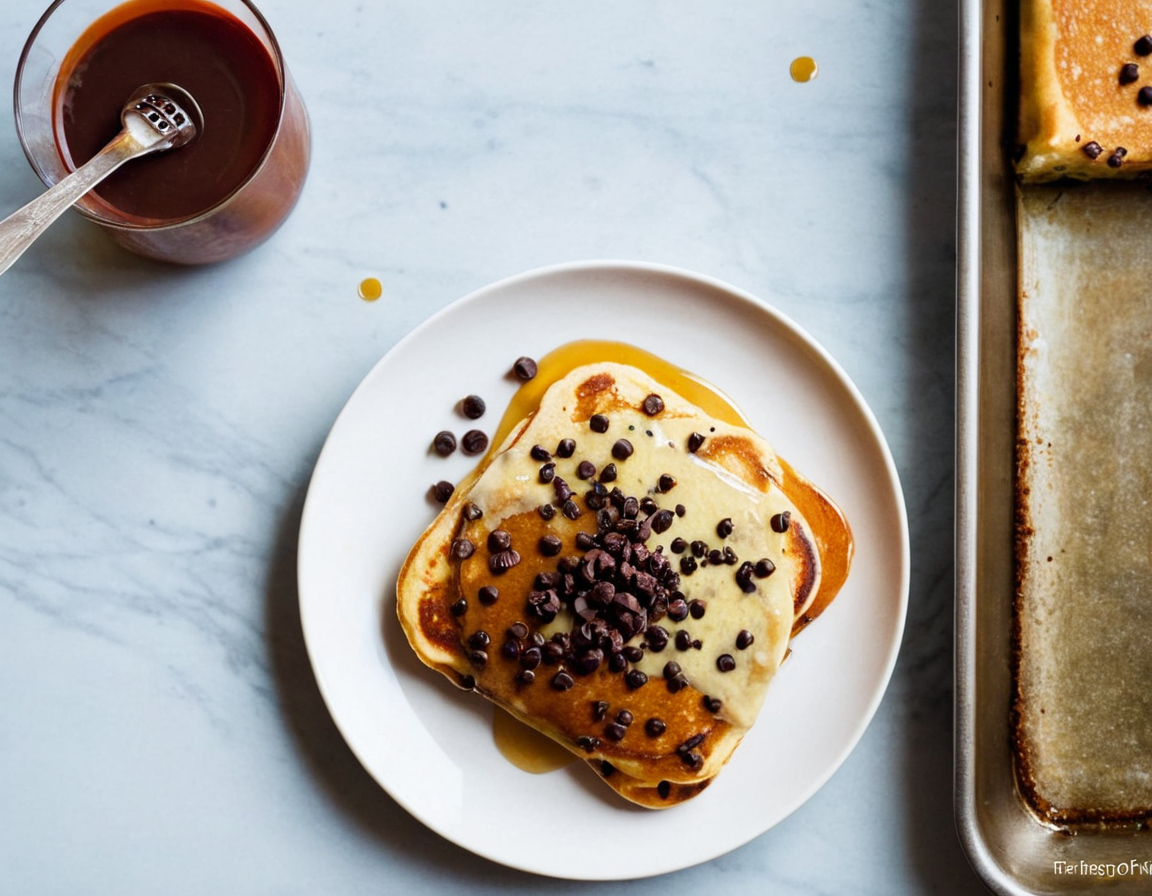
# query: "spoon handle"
[[21, 228]]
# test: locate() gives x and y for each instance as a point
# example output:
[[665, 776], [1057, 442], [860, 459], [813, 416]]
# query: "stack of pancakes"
[[622, 574]]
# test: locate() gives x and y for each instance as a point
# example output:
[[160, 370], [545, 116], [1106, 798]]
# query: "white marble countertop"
[[160, 727]]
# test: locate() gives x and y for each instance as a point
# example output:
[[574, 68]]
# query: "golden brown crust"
[[651, 769], [1072, 52]]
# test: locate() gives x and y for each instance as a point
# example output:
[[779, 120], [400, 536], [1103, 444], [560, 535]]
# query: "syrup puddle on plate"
[[526, 748]]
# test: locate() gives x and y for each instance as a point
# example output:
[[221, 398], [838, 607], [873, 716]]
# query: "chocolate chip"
[[617, 662], [715, 557], [537, 639], [764, 568], [585, 469], [695, 441], [589, 661], [1129, 73], [510, 650], [744, 639], [524, 368], [473, 442], [444, 443], [562, 490], [683, 640], [566, 448], [664, 788], [699, 549], [666, 482], [1144, 96], [499, 540], [550, 545], [648, 505], [624, 717], [540, 453], [662, 521], [692, 759], [725, 662], [599, 710], [622, 450], [633, 654], [530, 658], [599, 423], [635, 679], [584, 540], [677, 609], [656, 638], [681, 510], [780, 522], [677, 683], [587, 744], [462, 548], [653, 405], [502, 561], [1117, 158], [1092, 149], [671, 669], [442, 491], [678, 546], [697, 608], [488, 595], [608, 474], [606, 769], [724, 527], [655, 727], [570, 510], [460, 607], [471, 512], [473, 407], [1143, 47], [467, 682], [525, 677], [517, 630], [697, 644], [546, 511], [479, 640], [687, 565], [730, 556], [691, 744], [562, 681], [712, 704], [744, 577], [478, 658], [615, 731], [547, 473]]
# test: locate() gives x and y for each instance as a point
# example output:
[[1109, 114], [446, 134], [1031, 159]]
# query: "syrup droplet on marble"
[[370, 289], [803, 69]]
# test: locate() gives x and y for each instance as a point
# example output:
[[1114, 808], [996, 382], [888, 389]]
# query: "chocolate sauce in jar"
[[202, 48]]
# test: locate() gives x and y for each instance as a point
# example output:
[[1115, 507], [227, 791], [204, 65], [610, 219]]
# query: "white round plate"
[[430, 745]]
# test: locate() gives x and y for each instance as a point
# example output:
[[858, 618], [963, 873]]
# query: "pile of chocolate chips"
[[616, 590]]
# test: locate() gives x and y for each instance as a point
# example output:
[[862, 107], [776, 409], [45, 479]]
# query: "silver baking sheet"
[[1013, 846]]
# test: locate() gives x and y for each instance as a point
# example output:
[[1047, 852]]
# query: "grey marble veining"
[[160, 729]]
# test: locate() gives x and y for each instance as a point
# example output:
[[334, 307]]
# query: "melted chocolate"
[[208, 52]]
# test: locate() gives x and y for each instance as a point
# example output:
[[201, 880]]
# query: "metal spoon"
[[155, 118]]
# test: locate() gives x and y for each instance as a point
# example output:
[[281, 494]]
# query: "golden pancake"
[[1082, 113], [623, 573]]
